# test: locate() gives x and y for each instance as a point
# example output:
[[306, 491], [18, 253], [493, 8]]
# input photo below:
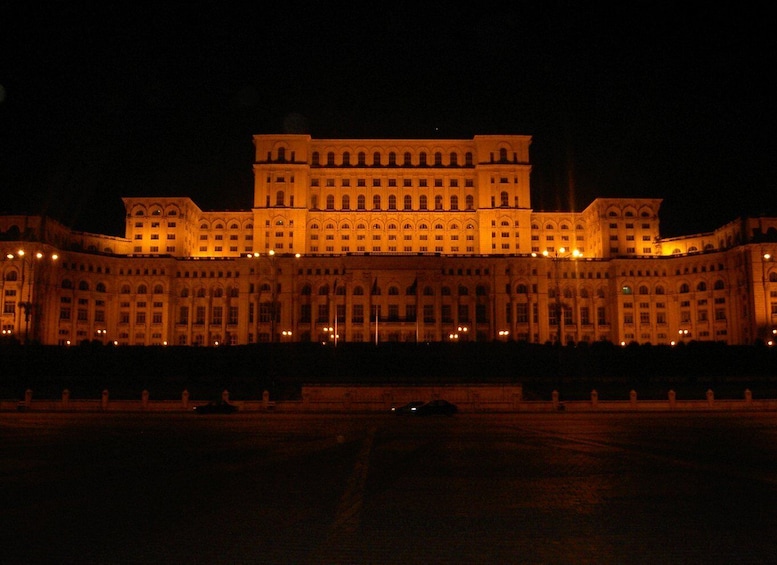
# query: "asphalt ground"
[[341, 489]]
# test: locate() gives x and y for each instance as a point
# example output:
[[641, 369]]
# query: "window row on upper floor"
[[390, 226], [683, 288], [377, 202], [421, 159]]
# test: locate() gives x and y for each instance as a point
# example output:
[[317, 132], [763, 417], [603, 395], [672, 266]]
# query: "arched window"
[[470, 202], [407, 202], [330, 202], [438, 202], [184, 292], [422, 202], [454, 202], [428, 291], [392, 202], [142, 289], [323, 290], [305, 290], [504, 199], [463, 290], [346, 202], [83, 285], [684, 288], [445, 291], [200, 292], [643, 289], [376, 202], [358, 291], [218, 293], [480, 290], [521, 289], [100, 287], [158, 289], [360, 202], [702, 286], [393, 291], [125, 288]]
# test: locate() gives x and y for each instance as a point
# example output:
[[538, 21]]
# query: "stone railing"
[[367, 399]]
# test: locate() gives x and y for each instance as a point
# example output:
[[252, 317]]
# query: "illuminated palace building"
[[388, 241]]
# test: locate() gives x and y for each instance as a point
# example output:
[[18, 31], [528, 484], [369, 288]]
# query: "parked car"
[[438, 406], [408, 408], [216, 407]]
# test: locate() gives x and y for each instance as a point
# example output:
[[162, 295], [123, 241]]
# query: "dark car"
[[438, 406], [408, 408], [216, 407]]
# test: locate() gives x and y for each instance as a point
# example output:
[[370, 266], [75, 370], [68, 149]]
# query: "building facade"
[[388, 240]]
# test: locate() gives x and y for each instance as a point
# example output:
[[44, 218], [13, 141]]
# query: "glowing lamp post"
[[28, 274], [556, 257]]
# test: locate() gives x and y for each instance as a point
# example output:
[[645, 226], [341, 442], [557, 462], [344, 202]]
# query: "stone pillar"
[[225, 395], [144, 399], [594, 398], [672, 399], [185, 399], [104, 400], [65, 398], [554, 397], [266, 399], [28, 398], [748, 396], [633, 398], [710, 397]]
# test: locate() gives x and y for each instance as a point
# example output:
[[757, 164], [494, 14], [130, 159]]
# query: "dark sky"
[[646, 99]]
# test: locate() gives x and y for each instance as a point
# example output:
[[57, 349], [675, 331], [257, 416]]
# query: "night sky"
[[645, 99]]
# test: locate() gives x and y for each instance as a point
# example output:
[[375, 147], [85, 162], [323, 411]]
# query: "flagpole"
[[335, 312], [417, 314]]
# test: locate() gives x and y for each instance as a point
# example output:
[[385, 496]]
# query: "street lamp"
[[556, 257], [332, 334], [767, 258], [28, 305]]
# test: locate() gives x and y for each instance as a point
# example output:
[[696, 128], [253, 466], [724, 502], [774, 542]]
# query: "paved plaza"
[[337, 489]]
